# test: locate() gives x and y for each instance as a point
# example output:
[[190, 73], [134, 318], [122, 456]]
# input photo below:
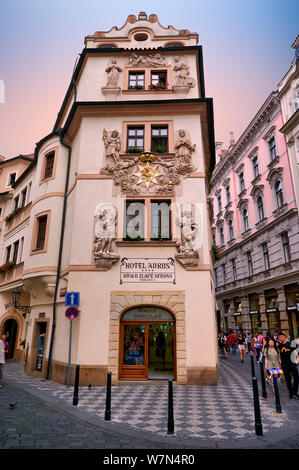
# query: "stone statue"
[[183, 71], [189, 231], [112, 146], [187, 255], [183, 148], [113, 71], [105, 234]]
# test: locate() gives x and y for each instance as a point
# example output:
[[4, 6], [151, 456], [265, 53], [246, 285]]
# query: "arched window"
[[260, 208], [230, 229], [245, 219], [278, 193], [221, 232]]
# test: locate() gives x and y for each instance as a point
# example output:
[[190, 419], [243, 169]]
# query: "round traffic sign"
[[71, 313]]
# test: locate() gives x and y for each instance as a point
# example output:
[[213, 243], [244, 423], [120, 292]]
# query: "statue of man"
[[112, 145], [183, 148], [182, 72], [113, 71], [105, 232]]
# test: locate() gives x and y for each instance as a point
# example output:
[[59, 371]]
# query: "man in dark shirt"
[[288, 367]]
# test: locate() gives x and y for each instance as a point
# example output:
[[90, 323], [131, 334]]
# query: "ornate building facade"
[[256, 229], [118, 213]]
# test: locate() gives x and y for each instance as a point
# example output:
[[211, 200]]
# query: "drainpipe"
[[65, 144]]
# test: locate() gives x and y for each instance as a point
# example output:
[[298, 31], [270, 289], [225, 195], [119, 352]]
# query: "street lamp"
[[15, 297], [15, 301]]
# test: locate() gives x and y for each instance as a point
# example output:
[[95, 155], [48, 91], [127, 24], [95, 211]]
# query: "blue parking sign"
[[72, 299]]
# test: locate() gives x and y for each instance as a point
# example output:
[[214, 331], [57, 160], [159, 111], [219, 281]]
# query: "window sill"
[[280, 210], [261, 223], [273, 162], [246, 233], [146, 243], [242, 193], [256, 179], [142, 92]]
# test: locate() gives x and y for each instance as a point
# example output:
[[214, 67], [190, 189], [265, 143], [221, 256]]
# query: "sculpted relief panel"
[[148, 173]]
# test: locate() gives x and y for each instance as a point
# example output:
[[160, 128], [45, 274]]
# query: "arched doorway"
[[147, 344], [10, 329]]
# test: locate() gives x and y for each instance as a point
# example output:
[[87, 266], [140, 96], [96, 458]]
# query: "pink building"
[[255, 225]]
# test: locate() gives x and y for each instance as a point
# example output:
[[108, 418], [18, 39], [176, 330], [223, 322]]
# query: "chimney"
[[232, 139], [142, 16]]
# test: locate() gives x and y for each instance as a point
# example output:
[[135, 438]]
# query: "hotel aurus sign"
[[149, 270]]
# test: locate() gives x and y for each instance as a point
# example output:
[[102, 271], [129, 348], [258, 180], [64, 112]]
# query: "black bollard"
[[170, 408], [264, 391], [76, 388], [257, 411], [108, 398], [277, 399], [252, 364]]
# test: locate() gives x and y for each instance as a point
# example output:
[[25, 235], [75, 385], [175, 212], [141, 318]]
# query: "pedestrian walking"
[[272, 359], [241, 345], [257, 347], [228, 343], [222, 344], [2, 357], [233, 341], [289, 368], [248, 343]]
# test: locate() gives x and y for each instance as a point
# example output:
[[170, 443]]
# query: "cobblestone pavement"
[[220, 416]]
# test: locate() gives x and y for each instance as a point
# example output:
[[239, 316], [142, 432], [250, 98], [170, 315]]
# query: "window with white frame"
[[260, 208], [272, 148], [255, 167], [241, 181], [221, 233], [230, 229], [286, 247], [249, 263], [278, 193], [228, 198], [234, 269], [266, 256], [245, 219]]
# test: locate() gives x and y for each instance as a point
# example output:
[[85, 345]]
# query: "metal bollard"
[[170, 408], [76, 388], [277, 399], [252, 364], [264, 391], [108, 398], [257, 411]]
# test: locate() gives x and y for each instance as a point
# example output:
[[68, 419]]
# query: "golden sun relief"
[[147, 174]]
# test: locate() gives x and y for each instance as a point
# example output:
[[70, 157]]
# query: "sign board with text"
[[148, 270]]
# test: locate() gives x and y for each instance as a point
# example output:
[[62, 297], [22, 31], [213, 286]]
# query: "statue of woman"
[[113, 71], [183, 148]]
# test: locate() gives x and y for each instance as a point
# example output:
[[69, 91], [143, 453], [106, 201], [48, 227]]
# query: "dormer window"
[[11, 179]]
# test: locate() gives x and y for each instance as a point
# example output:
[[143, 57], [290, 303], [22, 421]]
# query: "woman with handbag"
[[272, 361]]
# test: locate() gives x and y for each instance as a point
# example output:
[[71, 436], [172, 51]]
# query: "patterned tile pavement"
[[220, 412]]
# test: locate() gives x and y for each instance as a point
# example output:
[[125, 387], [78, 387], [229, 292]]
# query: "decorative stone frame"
[[276, 175], [256, 192], [121, 301], [14, 314]]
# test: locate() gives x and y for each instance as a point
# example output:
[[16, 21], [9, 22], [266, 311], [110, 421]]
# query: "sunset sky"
[[246, 49]]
